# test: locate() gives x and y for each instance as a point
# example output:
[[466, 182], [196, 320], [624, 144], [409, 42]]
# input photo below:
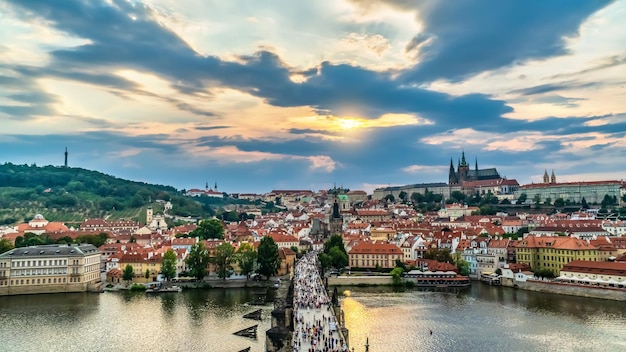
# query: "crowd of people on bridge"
[[315, 325]]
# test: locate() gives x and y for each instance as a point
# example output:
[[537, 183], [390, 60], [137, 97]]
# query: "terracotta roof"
[[580, 183], [375, 248], [591, 267], [568, 243]]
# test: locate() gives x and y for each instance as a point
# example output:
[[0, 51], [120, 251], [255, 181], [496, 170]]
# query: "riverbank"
[[569, 289], [211, 283]]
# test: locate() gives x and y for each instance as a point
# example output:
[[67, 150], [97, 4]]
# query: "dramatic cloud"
[[357, 92]]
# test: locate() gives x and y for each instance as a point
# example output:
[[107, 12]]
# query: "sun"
[[348, 123]]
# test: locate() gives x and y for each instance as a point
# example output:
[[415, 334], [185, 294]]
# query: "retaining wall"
[[359, 280], [574, 290]]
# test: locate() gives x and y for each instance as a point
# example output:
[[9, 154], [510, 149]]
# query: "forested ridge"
[[73, 194]]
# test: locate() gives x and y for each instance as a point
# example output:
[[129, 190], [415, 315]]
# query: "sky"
[[282, 94]]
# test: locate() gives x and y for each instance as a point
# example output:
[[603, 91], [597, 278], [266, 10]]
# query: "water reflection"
[[197, 320], [483, 318]]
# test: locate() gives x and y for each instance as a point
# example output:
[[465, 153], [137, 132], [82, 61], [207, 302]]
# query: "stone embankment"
[[573, 290]]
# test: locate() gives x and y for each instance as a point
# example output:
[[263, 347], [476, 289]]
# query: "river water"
[[486, 318], [483, 319]]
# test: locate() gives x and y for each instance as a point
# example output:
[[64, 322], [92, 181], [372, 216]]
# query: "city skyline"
[[309, 94]]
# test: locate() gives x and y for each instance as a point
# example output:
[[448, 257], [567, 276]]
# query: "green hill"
[[73, 194]]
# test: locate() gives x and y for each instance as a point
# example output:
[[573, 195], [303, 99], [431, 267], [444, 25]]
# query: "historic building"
[[374, 254], [464, 173], [50, 269], [436, 188], [592, 191], [552, 253]]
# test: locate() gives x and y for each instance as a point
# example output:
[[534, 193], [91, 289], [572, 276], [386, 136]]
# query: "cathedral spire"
[[553, 177], [452, 174], [546, 178], [476, 165], [463, 162]]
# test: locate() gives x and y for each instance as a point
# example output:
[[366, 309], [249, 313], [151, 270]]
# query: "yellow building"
[[382, 234], [140, 265], [50, 269], [372, 255], [552, 253]]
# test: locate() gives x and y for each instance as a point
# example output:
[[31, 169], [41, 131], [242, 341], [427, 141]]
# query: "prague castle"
[[464, 173]]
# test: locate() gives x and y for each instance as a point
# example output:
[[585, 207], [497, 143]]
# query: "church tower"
[[452, 179], [66, 156], [553, 177], [335, 221], [463, 168], [149, 216], [546, 178]]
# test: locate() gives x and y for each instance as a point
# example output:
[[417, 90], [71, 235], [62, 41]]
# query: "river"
[[486, 318], [483, 319]]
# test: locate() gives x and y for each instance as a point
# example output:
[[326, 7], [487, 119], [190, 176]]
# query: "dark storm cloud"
[[119, 41], [312, 131], [209, 128], [559, 100], [473, 36], [462, 44], [609, 62]]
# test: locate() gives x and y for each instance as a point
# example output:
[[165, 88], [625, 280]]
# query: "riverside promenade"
[[315, 324]]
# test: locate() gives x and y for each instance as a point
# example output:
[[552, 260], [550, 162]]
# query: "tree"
[[607, 201], [390, 198], [224, 257], [168, 265], [548, 201], [208, 229], [461, 264], [402, 196], [522, 198], [440, 255], [334, 241], [417, 197], [325, 260], [458, 196], [338, 258], [128, 274], [246, 259], [537, 199], [5, 245], [197, 260], [400, 264], [584, 203], [268, 258], [396, 275], [147, 273], [559, 202]]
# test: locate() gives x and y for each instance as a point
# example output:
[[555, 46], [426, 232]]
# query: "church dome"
[[39, 217]]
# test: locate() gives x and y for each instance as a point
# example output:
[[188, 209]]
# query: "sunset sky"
[[280, 94]]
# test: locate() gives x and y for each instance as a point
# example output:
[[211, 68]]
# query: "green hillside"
[[73, 194]]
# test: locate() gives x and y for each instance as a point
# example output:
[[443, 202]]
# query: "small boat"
[[164, 289]]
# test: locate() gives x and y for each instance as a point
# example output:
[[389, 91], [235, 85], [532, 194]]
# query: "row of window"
[[38, 281], [29, 263], [365, 263], [28, 272]]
